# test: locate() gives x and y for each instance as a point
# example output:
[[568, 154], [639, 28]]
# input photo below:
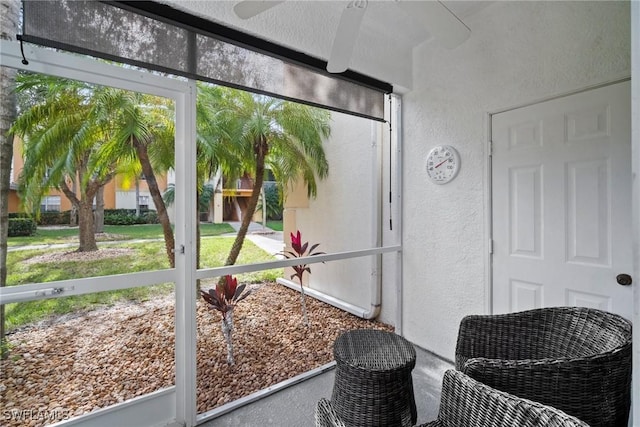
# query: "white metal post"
[[185, 256]]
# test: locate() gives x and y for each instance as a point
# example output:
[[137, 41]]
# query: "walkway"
[[269, 240]]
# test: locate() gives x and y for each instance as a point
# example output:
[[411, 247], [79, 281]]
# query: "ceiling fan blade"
[[439, 21], [346, 36], [250, 8]]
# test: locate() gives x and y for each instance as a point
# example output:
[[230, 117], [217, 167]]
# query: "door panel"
[[561, 176]]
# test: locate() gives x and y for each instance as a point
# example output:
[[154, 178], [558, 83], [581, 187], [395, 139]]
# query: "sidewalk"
[[269, 240]]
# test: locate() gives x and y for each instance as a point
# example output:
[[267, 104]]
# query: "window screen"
[[104, 29]]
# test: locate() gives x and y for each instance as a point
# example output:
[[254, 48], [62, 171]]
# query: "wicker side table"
[[373, 384]]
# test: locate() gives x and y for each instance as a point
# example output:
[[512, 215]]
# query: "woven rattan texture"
[[326, 416], [373, 383], [466, 402], [575, 359], [469, 403]]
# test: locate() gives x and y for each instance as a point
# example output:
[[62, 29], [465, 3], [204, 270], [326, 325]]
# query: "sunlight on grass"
[[213, 253], [275, 225], [23, 268]]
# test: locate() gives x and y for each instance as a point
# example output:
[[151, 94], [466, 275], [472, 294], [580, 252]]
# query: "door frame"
[[635, 193], [176, 403], [489, 288]]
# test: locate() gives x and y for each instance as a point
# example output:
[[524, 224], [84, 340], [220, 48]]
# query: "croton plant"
[[301, 250], [224, 298]]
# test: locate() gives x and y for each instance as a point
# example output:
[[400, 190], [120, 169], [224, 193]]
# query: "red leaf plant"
[[224, 298], [300, 250]]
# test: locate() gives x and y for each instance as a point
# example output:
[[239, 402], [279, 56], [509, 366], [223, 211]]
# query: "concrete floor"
[[295, 405]]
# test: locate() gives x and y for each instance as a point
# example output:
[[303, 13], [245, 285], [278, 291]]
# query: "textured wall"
[[518, 52], [341, 218]]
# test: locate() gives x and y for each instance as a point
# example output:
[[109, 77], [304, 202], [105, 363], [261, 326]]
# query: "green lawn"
[[51, 236], [140, 257], [275, 225]]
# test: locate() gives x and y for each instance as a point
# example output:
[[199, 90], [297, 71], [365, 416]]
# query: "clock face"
[[443, 163]]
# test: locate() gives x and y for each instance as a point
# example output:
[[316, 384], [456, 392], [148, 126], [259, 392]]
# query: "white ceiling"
[[383, 50]]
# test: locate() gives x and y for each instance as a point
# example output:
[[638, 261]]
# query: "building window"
[[143, 202], [50, 204]]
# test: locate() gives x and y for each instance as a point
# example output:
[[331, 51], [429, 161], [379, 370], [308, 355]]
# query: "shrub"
[[274, 202], [129, 217], [151, 217], [54, 218], [116, 218], [21, 227], [18, 215]]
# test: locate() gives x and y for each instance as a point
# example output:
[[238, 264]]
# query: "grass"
[[51, 236], [275, 225], [213, 253], [23, 313], [146, 256]]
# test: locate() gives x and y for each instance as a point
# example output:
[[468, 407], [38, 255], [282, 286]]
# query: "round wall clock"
[[443, 163]]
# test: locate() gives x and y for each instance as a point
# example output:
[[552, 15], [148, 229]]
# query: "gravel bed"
[[78, 364]]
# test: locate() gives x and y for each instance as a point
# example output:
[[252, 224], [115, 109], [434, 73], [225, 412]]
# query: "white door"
[[561, 203]]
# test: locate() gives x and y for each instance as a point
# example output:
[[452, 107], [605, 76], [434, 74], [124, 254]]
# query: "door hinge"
[[490, 246]]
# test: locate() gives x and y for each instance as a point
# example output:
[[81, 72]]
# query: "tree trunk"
[[99, 213], [137, 197], [260, 149], [86, 229], [161, 209], [264, 209], [9, 15], [73, 215], [84, 207]]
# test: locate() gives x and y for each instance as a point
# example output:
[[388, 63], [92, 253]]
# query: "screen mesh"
[[107, 31]]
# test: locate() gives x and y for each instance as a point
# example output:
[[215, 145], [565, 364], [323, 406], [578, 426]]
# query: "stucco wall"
[[343, 216], [519, 52]]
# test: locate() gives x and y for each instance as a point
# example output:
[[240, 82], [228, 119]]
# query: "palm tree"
[[77, 133], [9, 18], [62, 135], [255, 132], [144, 129]]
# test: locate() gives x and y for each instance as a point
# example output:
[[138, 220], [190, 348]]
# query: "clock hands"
[[441, 163]]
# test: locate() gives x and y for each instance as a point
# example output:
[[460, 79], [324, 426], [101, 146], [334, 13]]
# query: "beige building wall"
[[343, 216]]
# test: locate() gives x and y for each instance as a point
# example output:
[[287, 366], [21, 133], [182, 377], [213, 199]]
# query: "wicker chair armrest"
[[326, 416], [487, 336], [596, 390], [467, 402]]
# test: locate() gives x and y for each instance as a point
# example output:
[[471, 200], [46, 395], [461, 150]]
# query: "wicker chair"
[[466, 402], [575, 359]]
